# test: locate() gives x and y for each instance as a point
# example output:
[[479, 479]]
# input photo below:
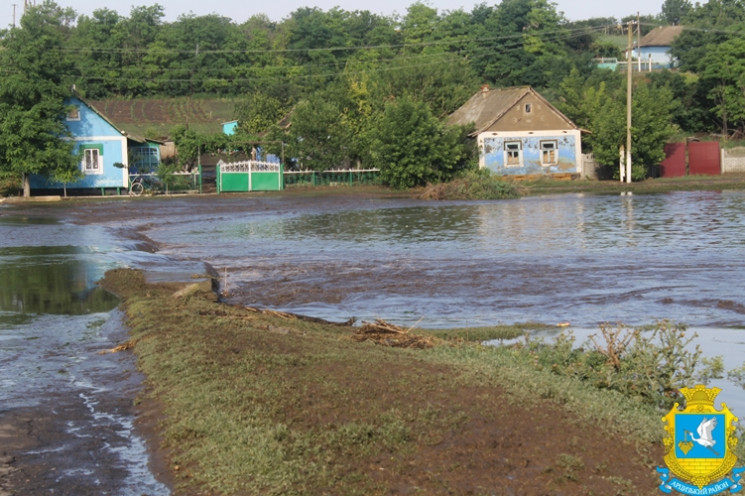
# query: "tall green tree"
[[411, 147], [674, 11], [723, 78], [96, 42], [711, 24], [520, 42], [137, 32], [35, 79], [257, 113], [318, 138], [599, 105]]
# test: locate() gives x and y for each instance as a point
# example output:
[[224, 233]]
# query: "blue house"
[[654, 47], [108, 155], [519, 132], [229, 127]]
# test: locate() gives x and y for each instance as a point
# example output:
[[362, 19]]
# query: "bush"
[[478, 184], [10, 184], [649, 365]]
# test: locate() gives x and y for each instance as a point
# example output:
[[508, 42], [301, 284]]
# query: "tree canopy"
[[35, 82], [336, 78]]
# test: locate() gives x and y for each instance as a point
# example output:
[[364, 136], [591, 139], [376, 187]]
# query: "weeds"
[[570, 466], [478, 184], [651, 365]]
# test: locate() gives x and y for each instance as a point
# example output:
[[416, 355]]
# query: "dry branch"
[[387, 334]]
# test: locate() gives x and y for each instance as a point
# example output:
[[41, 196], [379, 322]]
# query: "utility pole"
[[14, 14], [638, 41], [629, 68]]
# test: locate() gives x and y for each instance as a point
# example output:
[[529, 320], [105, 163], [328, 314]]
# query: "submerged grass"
[[487, 333], [548, 185], [258, 403]]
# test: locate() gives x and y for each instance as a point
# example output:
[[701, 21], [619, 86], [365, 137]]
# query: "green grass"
[[255, 403], [487, 333], [650, 186]]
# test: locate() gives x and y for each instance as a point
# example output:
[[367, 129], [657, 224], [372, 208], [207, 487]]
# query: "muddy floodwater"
[[582, 260]]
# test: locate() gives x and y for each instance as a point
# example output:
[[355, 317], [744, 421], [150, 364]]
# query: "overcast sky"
[[277, 10]]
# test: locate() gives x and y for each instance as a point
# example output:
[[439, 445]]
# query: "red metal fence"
[[703, 158], [674, 164]]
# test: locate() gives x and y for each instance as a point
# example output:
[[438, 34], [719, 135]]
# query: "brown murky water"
[[570, 258]]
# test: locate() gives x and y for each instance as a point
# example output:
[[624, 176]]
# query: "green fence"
[[348, 177], [249, 175]]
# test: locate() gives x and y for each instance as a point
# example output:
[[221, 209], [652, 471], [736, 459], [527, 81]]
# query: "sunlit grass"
[[255, 403]]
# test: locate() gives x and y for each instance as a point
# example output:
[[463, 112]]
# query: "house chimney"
[[484, 89]]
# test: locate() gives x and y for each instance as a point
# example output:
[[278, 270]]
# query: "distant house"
[[229, 127], [654, 47], [107, 154], [520, 133]]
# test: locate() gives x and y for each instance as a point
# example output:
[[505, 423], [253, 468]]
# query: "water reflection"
[[583, 259], [51, 280], [53, 322]]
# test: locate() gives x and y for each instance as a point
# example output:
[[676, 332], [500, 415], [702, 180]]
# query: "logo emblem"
[[699, 446]]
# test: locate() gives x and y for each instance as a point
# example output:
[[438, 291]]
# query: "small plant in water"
[[650, 365]]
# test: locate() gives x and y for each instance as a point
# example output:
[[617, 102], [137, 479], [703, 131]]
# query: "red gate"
[[704, 158], [674, 164]]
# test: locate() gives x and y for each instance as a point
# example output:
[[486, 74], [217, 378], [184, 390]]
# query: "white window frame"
[[513, 153], [73, 114], [549, 152], [92, 161]]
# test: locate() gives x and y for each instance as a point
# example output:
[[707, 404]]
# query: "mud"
[[578, 260]]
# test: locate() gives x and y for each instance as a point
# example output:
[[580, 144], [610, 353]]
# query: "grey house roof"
[[661, 36], [488, 106]]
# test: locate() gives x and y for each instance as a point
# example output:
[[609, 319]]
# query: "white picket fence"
[[248, 166]]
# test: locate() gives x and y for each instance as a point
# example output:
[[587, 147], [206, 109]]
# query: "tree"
[[97, 41], [190, 144], [723, 78], [412, 147], [137, 33], [673, 11], [318, 137], [599, 105], [518, 43], [34, 82], [257, 113]]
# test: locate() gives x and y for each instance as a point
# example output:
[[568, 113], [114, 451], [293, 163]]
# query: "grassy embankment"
[[264, 403]]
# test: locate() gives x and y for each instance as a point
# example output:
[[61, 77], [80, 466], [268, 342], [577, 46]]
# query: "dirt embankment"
[[279, 404]]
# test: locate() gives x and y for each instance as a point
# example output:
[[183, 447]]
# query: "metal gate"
[[693, 158], [674, 164], [704, 158], [249, 175]]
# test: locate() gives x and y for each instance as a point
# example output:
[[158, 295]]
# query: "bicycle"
[[140, 183]]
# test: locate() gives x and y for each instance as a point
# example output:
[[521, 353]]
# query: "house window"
[[73, 114], [92, 161], [528, 108], [144, 160], [549, 152], [513, 153]]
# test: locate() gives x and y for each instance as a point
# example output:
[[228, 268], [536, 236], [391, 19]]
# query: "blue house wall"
[[95, 138], [532, 157], [229, 127], [658, 56]]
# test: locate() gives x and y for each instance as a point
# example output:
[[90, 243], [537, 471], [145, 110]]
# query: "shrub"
[[479, 184], [651, 365]]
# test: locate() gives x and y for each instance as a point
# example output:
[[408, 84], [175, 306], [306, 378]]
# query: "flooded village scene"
[[350, 253]]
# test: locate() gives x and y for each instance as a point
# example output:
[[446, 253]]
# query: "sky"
[[277, 10]]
